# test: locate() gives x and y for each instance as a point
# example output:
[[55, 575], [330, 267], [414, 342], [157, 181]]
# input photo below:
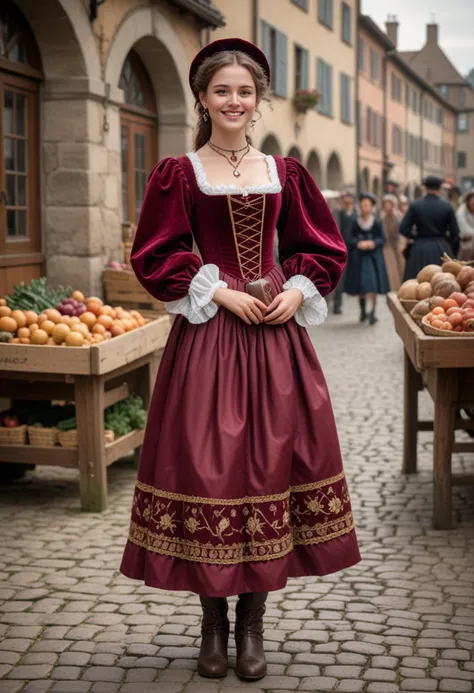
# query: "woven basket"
[[409, 303], [42, 437], [436, 332], [13, 436], [68, 439]]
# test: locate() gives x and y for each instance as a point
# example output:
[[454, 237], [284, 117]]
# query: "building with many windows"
[[310, 44], [92, 95]]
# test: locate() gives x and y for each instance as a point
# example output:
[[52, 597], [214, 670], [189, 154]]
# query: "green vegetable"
[[36, 296], [67, 424], [125, 416], [5, 336]]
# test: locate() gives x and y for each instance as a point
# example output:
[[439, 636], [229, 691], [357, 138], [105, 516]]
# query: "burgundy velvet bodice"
[[233, 231]]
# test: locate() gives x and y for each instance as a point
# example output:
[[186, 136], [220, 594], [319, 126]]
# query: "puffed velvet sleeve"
[[162, 256], [311, 248]]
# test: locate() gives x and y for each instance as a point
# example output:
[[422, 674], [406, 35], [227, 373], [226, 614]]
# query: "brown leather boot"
[[251, 664], [212, 661]]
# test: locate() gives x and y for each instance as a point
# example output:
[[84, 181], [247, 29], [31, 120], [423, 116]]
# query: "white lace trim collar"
[[273, 187]]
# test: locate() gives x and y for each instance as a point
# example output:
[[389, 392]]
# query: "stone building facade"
[[93, 94]]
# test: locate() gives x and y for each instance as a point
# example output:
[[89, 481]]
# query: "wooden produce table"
[[445, 366], [94, 378], [122, 288]]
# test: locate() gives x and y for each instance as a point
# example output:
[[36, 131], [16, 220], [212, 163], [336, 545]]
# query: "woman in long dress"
[[392, 250], [366, 272], [465, 218], [240, 483]]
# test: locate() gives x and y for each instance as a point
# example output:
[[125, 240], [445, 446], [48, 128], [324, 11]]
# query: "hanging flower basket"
[[305, 99]]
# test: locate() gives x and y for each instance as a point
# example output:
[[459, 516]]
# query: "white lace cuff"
[[197, 306], [314, 309]]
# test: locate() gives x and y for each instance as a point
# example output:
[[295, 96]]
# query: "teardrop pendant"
[[236, 173]]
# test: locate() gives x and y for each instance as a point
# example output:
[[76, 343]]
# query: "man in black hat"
[[431, 223]]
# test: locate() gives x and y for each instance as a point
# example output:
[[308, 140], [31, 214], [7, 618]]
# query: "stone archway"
[[295, 153], [314, 167], [271, 146], [365, 180], [71, 137], [334, 175], [156, 41]]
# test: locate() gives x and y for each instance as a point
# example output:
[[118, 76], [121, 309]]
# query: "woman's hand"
[[246, 307], [366, 245], [283, 307]]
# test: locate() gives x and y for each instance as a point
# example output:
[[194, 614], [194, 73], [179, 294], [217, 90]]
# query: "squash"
[[445, 287], [451, 266], [436, 301], [441, 276], [5, 336], [421, 309], [407, 291], [424, 290], [425, 274]]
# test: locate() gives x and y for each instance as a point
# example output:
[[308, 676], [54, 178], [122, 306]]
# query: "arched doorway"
[[376, 187], [334, 172], [295, 153], [314, 167], [20, 75], [271, 146], [138, 124], [365, 180]]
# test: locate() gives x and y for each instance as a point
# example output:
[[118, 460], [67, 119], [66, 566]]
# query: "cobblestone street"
[[401, 620]]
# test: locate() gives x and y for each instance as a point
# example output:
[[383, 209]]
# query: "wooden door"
[[138, 146]]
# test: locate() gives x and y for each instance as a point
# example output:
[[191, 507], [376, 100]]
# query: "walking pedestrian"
[[465, 219], [366, 272], [431, 224], [403, 205], [344, 218], [240, 483], [392, 250]]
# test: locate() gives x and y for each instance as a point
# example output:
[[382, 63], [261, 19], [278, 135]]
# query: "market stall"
[[436, 327], [102, 384]]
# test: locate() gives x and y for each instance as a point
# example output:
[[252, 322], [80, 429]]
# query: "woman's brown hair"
[[204, 75]]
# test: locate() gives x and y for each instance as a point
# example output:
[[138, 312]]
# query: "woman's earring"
[[253, 121], [205, 115]]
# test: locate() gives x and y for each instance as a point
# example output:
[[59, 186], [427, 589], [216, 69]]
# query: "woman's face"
[[231, 98], [388, 207], [403, 207], [470, 204], [365, 206]]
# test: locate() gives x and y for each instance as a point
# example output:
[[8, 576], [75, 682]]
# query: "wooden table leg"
[[445, 414], [411, 385], [91, 445], [146, 385]]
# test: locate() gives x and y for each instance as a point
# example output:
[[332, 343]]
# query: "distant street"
[[402, 620]]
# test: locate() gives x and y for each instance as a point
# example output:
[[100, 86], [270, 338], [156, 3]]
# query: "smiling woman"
[[252, 490]]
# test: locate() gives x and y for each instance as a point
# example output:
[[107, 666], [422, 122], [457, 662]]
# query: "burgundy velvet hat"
[[228, 44]]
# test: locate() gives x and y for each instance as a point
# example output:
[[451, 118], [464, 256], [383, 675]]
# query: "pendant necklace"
[[233, 158]]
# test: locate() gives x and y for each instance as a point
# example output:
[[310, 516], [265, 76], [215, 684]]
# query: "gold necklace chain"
[[237, 173]]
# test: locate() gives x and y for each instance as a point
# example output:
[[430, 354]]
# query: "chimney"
[[432, 34], [391, 27]]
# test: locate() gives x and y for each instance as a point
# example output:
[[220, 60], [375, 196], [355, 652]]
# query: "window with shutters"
[[361, 55], [462, 160], [359, 123], [275, 47], [325, 11], [415, 101], [301, 68], [324, 86], [346, 23], [396, 88], [462, 97], [426, 152], [397, 143], [462, 122], [346, 99], [301, 3], [374, 65], [439, 116]]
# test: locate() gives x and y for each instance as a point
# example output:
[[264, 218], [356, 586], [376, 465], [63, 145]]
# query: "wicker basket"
[[436, 332], [42, 437], [68, 439], [13, 436], [409, 303]]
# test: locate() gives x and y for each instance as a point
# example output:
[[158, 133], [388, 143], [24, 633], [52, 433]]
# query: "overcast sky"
[[454, 17]]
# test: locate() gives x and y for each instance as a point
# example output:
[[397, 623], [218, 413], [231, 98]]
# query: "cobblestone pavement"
[[402, 620]]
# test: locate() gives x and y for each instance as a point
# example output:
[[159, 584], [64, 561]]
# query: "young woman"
[[366, 273], [465, 218], [394, 260], [241, 483]]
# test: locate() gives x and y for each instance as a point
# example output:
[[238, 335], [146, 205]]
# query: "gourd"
[[408, 290], [425, 274], [424, 290], [445, 287], [5, 336]]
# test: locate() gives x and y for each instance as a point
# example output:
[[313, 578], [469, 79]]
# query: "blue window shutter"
[[305, 69], [319, 84], [281, 63], [266, 42], [329, 77], [329, 12]]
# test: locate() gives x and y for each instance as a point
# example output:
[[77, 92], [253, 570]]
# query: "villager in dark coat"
[[344, 219], [431, 224], [366, 272]]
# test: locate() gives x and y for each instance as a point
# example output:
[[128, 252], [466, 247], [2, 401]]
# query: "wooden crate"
[[122, 288], [97, 359]]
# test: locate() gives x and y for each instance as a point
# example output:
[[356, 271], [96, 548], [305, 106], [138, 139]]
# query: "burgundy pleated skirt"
[[240, 482]]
